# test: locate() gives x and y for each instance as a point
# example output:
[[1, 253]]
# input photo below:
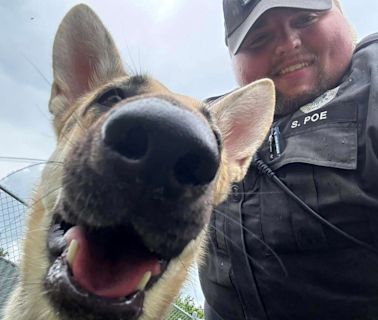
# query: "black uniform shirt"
[[326, 152]]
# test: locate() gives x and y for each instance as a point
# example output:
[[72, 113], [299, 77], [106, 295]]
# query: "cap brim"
[[236, 38]]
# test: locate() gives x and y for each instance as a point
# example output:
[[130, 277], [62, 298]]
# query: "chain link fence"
[[12, 223], [12, 217]]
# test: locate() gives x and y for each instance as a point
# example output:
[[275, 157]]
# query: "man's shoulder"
[[366, 41]]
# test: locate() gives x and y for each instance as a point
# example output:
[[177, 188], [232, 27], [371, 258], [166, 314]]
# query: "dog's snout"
[[158, 140]]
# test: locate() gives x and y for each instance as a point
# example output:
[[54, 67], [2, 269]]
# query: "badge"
[[320, 101]]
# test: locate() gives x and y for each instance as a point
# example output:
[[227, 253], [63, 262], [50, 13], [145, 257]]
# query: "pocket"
[[323, 138], [331, 144]]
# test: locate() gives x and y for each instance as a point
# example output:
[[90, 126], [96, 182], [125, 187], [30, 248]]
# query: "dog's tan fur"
[[85, 62]]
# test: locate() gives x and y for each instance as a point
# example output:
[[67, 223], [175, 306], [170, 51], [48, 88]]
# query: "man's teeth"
[[293, 68], [143, 282], [71, 252]]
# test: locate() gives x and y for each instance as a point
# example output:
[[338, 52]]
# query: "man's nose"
[[288, 40]]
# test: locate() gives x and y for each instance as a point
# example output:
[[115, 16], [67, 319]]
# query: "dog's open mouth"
[[103, 271]]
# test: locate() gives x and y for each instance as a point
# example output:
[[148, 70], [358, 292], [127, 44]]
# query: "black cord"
[[265, 169]]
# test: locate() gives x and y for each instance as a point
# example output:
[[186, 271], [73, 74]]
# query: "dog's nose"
[[159, 140]]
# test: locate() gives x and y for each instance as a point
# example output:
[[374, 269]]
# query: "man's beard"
[[287, 105]]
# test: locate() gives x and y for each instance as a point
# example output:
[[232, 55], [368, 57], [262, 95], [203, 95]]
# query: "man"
[[302, 245]]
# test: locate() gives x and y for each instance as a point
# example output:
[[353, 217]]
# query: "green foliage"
[[3, 253], [188, 305]]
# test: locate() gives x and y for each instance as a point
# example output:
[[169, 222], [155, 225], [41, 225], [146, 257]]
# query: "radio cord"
[[265, 169]]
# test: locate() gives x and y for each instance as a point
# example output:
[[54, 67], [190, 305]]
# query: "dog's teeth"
[[143, 282], [72, 249]]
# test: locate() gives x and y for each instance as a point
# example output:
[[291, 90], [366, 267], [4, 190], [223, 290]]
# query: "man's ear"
[[244, 118], [84, 57]]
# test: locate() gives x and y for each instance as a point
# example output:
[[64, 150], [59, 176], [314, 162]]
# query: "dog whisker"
[[237, 247], [44, 163], [36, 68], [262, 242], [78, 120]]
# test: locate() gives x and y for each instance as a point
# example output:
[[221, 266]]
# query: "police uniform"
[[327, 154]]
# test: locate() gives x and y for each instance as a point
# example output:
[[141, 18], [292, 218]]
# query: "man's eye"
[[256, 41], [111, 97], [305, 20]]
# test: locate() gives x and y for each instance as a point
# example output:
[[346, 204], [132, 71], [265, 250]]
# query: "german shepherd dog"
[[121, 210]]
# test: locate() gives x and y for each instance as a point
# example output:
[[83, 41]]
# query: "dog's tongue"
[[109, 279]]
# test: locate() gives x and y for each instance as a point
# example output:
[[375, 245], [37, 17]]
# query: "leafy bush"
[[188, 305]]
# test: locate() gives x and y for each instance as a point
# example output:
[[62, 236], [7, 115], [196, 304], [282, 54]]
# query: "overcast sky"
[[179, 42]]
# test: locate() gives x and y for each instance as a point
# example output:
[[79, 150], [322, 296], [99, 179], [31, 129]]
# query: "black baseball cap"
[[240, 15]]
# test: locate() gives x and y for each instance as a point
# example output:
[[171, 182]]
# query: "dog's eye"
[[111, 97]]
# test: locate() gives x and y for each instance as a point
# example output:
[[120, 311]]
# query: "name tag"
[[331, 114]]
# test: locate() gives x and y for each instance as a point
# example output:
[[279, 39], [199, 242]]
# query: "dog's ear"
[[244, 118], [84, 57]]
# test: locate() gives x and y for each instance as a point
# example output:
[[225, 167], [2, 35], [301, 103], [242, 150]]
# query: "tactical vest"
[[268, 259]]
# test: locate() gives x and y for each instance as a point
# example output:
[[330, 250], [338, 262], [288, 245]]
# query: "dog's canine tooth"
[[71, 252], [143, 282]]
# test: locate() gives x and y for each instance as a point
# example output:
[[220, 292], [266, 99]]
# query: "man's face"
[[304, 52]]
